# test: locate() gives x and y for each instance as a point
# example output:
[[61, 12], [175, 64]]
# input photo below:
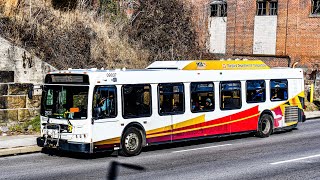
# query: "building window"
[[273, 6], [218, 9], [279, 90], [267, 8], [256, 91], [230, 95], [171, 98], [315, 7], [136, 100], [202, 96]]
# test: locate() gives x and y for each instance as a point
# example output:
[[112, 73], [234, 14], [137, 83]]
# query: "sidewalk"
[[21, 144], [312, 114]]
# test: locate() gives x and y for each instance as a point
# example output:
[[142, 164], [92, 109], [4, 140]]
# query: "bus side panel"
[[245, 121], [239, 122]]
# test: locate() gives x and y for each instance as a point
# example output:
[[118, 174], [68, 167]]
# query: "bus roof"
[[184, 65]]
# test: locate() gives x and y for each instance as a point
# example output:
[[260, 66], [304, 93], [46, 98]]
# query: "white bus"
[[98, 110]]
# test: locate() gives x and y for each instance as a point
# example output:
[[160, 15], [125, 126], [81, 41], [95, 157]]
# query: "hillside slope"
[[90, 36]]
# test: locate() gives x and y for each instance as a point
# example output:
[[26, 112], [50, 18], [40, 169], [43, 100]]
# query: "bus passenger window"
[[230, 95], [202, 96], [105, 102], [256, 91], [171, 98], [136, 101], [279, 90]]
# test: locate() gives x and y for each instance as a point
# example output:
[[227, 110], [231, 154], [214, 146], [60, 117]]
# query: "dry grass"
[[80, 38]]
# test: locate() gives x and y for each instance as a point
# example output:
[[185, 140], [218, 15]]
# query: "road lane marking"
[[293, 160], [202, 148]]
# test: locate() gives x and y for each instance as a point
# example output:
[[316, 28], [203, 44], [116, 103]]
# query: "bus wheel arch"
[[265, 124], [133, 132]]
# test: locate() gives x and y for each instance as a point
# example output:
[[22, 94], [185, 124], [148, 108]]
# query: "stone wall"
[[19, 70], [15, 106]]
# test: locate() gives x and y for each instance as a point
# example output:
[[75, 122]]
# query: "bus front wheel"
[[131, 143], [265, 126]]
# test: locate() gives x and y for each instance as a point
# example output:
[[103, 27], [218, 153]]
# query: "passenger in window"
[[208, 105], [277, 95], [103, 104], [259, 95]]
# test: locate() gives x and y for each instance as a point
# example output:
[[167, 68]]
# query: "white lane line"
[[293, 160], [202, 148]]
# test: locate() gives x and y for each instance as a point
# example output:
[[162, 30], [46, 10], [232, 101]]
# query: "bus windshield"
[[65, 102]]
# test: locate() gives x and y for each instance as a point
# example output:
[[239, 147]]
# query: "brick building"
[[279, 31]]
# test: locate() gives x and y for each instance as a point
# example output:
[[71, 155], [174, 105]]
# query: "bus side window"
[[136, 101], [105, 101], [256, 91], [202, 96], [230, 95], [278, 90], [171, 98]]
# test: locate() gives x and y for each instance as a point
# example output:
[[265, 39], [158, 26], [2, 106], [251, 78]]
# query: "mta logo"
[[201, 64]]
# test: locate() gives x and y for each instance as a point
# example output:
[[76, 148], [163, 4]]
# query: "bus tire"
[[265, 126], [131, 143]]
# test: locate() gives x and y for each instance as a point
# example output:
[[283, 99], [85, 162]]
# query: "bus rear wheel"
[[131, 143], [265, 126]]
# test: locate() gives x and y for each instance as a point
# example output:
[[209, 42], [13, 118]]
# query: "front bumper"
[[64, 145]]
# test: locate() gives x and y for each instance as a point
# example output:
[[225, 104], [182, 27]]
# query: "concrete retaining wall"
[[19, 70]]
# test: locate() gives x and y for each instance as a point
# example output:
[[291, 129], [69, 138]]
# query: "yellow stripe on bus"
[[190, 122], [291, 123], [108, 141]]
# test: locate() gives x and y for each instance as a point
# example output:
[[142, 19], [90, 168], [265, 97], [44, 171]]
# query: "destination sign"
[[67, 79]]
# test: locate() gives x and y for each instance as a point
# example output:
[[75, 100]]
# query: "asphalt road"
[[286, 155]]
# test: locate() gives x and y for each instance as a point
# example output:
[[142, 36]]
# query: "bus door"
[[171, 105], [105, 111]]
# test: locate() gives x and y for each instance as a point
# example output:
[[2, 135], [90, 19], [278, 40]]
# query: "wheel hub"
[[131, 142]]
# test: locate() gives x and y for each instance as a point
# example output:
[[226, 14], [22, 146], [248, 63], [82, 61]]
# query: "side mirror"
[[30, 92], [97, 112]]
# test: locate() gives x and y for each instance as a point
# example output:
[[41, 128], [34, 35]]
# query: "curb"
[[19, 150], [313, 118]]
